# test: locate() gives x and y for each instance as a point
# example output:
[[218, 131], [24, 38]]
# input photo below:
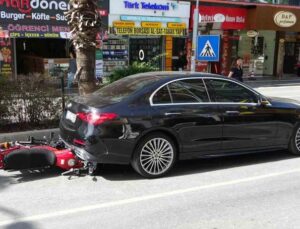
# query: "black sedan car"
[[150, 120]]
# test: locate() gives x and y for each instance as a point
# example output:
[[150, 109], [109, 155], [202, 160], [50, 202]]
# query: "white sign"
[[285, 19], [141, 55], [252, 33], [99, 68], [151, 8]]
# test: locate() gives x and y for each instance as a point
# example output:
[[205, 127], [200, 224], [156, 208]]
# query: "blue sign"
[[148, 6], [208, 48]]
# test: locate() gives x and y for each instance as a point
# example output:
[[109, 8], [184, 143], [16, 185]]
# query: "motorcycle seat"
[[29, 159]]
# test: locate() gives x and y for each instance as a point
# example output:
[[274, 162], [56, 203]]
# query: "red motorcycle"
[[39, 154]]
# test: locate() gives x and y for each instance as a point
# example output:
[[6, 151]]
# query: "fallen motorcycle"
[[40, 154]]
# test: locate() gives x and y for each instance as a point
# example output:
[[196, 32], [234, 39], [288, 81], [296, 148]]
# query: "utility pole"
[[195, 33]]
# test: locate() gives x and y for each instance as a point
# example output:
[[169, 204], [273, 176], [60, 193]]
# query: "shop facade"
[[37, 32], [226, 21], [147, 31], [278, 38], [264, 35], [35, 38]]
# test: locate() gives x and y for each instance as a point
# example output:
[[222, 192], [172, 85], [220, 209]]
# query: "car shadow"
[[33, 175], [187, 167], [126, 173], [4, 182]]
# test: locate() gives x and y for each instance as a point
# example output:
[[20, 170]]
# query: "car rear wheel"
[[154, 156], [294, 147]]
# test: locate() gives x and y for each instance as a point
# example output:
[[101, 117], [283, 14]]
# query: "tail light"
[[96, 118]]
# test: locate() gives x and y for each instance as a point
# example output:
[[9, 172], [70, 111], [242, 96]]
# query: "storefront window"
[[146, 49], [258, 53]]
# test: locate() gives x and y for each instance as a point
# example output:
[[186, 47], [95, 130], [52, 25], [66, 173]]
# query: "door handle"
[[172, 113], [232, 112]]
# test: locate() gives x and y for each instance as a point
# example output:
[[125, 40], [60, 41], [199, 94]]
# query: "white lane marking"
[[142, 198]]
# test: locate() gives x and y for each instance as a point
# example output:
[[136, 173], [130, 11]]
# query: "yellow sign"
[[151, 24], [148, 31], [122, 24], [177, 25]]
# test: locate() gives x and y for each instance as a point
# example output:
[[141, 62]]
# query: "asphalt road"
[[249, 191]]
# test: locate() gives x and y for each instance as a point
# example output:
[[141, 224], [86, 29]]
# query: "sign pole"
[[195, 33]]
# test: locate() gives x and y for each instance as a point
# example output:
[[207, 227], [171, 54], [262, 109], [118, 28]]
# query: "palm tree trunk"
[[84, 21], [85, 59]]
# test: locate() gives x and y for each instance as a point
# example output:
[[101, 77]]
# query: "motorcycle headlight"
[[71, 162]]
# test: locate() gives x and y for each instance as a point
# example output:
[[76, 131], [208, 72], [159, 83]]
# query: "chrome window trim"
[[205, 103], [202, 78]]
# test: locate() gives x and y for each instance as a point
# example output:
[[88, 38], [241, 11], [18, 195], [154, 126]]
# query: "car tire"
[[154, 155], [294, 146]]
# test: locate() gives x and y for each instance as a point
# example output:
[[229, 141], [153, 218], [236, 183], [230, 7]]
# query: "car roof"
[[176, 75]]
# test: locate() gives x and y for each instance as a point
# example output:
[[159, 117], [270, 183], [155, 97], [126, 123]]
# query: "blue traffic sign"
[[208, 48]]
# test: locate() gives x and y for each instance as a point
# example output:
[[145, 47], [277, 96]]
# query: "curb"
[[21, 136]]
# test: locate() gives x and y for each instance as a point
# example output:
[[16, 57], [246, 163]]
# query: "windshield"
[[121, 89]]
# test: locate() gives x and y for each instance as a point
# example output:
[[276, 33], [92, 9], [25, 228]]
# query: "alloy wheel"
[[297, 139], [156, 156]]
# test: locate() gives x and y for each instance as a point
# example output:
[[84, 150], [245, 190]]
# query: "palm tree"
[[84, 21]]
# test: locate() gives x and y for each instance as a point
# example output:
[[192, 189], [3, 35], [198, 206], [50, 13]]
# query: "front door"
[[246, 124]]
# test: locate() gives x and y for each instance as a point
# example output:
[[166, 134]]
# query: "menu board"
[[6, 57]]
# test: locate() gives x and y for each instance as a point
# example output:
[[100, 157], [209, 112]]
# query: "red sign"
[[229, 18]]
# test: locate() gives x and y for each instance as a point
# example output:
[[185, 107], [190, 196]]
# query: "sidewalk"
[[258, 82], [271, 81], [39, 134]]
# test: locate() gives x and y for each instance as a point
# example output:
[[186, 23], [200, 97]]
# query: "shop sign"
[[151, 24], [177, 25], [151, 8], [146, 18], [34, 18], [252, 33], [148, 31], [285, 19], [6, 57], [230, 18], [121, 24]]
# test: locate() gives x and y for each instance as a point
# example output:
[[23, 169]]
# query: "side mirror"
[[264, 102]]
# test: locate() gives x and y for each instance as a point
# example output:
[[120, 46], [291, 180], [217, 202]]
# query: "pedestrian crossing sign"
[[208, 48]]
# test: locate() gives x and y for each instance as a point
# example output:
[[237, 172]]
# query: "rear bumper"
[[108, 156], [80, 152], [101, 145]]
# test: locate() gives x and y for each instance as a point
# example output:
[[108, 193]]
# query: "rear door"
[[247, 124], [184, 106]]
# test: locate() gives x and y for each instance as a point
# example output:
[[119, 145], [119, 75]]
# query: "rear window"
[[123, 88]]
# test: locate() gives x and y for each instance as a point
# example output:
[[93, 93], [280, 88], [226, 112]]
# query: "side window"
[[188, 91], [197, 88], [182, 91], [162, 96], [226, 91]]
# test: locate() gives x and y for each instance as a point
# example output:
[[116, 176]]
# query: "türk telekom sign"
[[229, 18], [34, 18]]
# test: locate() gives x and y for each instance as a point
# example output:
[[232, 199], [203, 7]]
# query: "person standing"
[[236, 70], [72, 70], [182, 61]]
